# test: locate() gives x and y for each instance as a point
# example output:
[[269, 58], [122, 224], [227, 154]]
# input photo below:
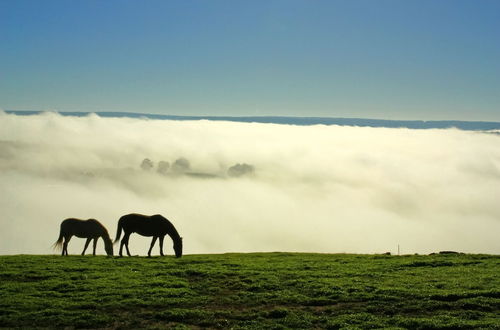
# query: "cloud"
[[312, 188]]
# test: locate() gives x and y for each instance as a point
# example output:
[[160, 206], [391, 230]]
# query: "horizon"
[[172, 115], [487, 126]]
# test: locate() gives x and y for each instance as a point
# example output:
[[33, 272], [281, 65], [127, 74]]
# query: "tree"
[[147, 164], [240, 170], [181, 165], [163, 167]]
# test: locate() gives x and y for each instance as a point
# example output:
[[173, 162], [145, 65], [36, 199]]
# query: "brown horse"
[[90, 229], [154, 225]]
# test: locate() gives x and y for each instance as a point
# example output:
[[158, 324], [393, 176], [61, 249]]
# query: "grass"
[[256, 290]]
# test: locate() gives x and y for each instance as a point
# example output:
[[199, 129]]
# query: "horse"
[[90, 229], [154, 225]]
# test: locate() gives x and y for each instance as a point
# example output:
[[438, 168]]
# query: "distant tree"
[[240, 170], [181, 165], [147, 164], [163, 167]]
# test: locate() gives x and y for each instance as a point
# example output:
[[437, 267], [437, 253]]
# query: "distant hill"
[[302, 121]]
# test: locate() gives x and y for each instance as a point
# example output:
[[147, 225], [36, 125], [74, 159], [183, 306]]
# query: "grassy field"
[[261, 290]]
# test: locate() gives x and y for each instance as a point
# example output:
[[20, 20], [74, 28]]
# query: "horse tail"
[[118, 231], [58, 244]]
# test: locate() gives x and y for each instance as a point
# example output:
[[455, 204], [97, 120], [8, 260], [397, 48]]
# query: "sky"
[[331, 189], [386, 59]]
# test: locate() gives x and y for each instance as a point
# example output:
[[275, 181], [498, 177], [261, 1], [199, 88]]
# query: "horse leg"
[[152, 244], [86, 245], [122, 243], [65, 245], [95, 244], [161, 245], [126, 245], [121, 248]]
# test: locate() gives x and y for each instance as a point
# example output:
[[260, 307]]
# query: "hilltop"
[[255, 290]]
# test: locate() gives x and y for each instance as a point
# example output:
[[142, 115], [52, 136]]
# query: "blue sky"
[[369, 59]]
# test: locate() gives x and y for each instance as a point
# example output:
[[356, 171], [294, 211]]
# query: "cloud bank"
[[241, 187]]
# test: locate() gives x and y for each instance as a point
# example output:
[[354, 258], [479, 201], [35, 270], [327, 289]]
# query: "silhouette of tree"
[[181, 165], [147, 164], [163, 167], [240, 170]]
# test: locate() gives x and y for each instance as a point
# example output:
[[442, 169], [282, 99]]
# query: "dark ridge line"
[[300, 121]]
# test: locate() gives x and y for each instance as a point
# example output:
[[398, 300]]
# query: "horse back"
[[146, 225], [82, 228]]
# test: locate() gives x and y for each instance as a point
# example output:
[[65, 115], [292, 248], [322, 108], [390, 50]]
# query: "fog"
[[243, 187]]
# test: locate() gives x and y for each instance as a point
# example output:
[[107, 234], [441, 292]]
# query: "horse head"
[[108, 246], [178, 247]]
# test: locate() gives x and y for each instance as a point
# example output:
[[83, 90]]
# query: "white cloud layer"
[[312, 188]]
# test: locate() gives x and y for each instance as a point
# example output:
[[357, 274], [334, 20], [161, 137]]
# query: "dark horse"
[[90, 229], [154, 225]]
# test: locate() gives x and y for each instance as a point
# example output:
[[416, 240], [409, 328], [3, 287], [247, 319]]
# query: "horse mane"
[[105, 231], [174, 234], [106, 234]]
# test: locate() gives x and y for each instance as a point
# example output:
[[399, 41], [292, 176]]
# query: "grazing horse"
[[154, 225], [90, 229]]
